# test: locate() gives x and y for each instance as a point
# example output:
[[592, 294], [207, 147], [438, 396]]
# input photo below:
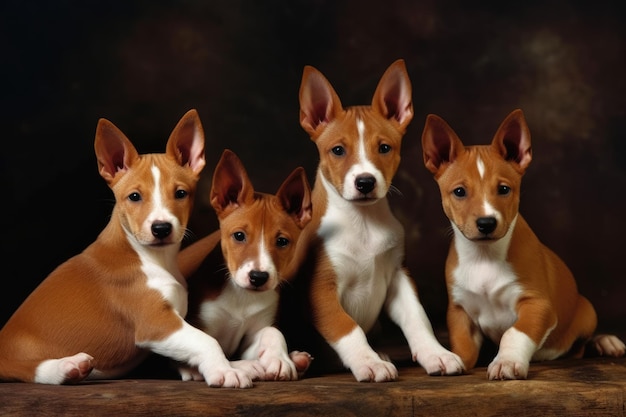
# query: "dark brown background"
[[143, 64]]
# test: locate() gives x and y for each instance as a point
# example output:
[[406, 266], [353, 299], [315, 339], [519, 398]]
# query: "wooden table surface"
[[586, 387]]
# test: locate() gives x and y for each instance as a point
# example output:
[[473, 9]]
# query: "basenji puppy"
[[502, 282], [101, 312], [354, 244], [237, 304]]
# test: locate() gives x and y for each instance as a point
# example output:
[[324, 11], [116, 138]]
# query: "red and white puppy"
[[259, 232], [101, 312], [503, 283], [354, 244]]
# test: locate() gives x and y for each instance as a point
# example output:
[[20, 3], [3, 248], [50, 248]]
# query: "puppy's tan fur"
[[237, 304], [354, 246], [503, 283], [98, 314]]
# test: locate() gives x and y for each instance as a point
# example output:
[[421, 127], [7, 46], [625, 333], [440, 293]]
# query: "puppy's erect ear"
[[186, 142], [114, 152], [512, 140], [440, 143], [393, 96], [319, 103], [231, 186], [295, 196]]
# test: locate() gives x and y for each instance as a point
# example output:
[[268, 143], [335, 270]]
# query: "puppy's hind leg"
[[599, 344]]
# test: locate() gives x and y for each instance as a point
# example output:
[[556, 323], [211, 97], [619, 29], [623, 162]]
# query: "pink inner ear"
[[393, 94], [225, 195], [117, 162], [231, 185], [114, 152], [513, 139], [318, 101], [295, 196], [186, 142], [439, 142], [226, 191], [397, 103]]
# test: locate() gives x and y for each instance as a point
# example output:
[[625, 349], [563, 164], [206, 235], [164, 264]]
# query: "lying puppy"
[[101, 312], [503, 283], [354, 246], [237, 305]]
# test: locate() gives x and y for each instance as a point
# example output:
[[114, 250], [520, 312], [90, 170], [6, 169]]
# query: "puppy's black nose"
[[258, 278], [365, 184], [161, 230], [486, 225]]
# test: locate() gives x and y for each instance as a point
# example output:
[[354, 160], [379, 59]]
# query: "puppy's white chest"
[[360, 232], [365, 254], [171, 289], [237, 313], [488, 291], [163, 275]]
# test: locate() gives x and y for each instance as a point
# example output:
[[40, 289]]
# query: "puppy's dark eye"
[[282, 242], [459, 192], [134, 197], [384, 148], [239, 236], [504, 189], [180, 194], [338, 150]]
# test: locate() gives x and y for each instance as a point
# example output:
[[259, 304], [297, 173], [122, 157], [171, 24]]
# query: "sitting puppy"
[[100, 313], [503, 283], [354, 247], [237, 304]]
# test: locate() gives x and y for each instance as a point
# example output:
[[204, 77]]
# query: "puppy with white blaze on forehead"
[[354, 246], [234, 290], [503, 283], [99, 314]]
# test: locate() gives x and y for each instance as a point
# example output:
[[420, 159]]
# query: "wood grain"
[[587, 387]]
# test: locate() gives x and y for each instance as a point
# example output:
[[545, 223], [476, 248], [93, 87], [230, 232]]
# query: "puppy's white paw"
[[278, 368], [442, 362], [76, 368], [253, 368], [270, 348], [609, 345], [227, 377], [68, 370], [189, 374], [507, 369], [375, 370], [302, 360]]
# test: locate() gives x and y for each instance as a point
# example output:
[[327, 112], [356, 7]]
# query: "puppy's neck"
[[162, 256], [118, 242], [370, 226]]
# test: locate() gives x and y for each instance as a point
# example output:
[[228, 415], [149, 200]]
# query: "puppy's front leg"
[[536, 319], [269, 348], [347, 338], [365, 364], [405, 309], [199, 350], [466, 338]]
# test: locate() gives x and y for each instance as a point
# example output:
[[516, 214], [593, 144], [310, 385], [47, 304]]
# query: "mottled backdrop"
[[143, 64]]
